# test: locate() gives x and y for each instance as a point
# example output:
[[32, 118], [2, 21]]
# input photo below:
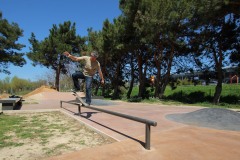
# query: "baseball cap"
[[94, 54]]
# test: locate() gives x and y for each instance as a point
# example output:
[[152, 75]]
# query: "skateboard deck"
[[79, 98]]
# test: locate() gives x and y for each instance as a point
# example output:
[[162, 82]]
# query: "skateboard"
[[79, 98]]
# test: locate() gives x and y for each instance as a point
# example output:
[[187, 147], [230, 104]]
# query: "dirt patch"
[[40, 90], [4, 95], [33, 93], [46, 134]]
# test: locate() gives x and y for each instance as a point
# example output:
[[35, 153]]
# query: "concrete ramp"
[[217, 118]]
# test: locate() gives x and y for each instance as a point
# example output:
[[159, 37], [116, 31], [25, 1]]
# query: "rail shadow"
[[89, 114]]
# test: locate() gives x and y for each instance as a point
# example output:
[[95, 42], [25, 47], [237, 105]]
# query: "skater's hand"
[[66, 53], [102, 81]]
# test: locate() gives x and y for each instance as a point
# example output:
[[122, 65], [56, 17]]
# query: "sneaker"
[[88, 105], [75, 90]]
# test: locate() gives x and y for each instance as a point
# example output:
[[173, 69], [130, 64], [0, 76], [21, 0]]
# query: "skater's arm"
[[101, 75], [74, 58]]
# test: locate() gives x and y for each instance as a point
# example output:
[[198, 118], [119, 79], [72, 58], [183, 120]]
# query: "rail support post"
[[79, 109], [147, 138], [148, 123]]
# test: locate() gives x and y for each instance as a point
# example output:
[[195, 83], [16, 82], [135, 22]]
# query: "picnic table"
[[10, 103]]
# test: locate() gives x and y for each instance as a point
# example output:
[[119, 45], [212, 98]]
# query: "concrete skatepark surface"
[[171, 139]]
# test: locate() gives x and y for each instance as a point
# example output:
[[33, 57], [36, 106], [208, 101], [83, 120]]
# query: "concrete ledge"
[[10, 103], [30, 111], [9, 100], [1, 108]]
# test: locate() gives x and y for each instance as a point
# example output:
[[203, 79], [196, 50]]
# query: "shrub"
[[135, 99], [196, 97], [231, 99]]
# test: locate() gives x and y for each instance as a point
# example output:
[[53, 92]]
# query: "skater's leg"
[[88, 81], [75, 77]]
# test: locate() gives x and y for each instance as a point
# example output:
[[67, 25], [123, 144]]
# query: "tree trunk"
[[158, 77], [57, 78], [132, 80], [165, 80], [157, 83], [116, 80], [144, 82], [96, 89], [104, 74], [142, 77], [103, 90], [217, 94], [130, 88], [218, 89], [158, 61], [58, 72], [162, 89]]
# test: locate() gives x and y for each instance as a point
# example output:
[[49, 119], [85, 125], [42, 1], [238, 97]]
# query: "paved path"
[[169, 140]]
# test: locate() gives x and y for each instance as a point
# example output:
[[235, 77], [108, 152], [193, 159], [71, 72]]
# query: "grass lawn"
[[39, 135], [198, 95], [227, 89]]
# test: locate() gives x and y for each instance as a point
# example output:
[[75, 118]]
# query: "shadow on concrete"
[[142, 143], [89, 114]]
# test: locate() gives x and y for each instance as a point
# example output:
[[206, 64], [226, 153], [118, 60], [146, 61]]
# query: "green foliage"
[[191, 98], [114, 54], [19, 86], [198, 94], [185, 81], [135, 99], [48, 52], [9, 48], [95, 41], [228, 89], [5, 85]]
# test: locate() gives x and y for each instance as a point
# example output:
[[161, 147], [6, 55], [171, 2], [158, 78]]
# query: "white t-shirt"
[[91, 67]]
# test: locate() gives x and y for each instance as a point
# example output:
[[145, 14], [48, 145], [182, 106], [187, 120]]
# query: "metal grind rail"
[[147, 122]]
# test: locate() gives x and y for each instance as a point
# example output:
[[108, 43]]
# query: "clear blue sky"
[[38, 16]]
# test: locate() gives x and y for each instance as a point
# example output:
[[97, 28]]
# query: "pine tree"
[[9, 48], [48, 52]]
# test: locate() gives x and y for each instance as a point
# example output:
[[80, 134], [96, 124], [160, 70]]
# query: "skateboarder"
[[90, 68]]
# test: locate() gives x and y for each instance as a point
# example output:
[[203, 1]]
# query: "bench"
[[10, 103]]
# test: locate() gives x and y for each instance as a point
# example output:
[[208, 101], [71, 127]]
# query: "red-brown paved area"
[[169, 140]]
